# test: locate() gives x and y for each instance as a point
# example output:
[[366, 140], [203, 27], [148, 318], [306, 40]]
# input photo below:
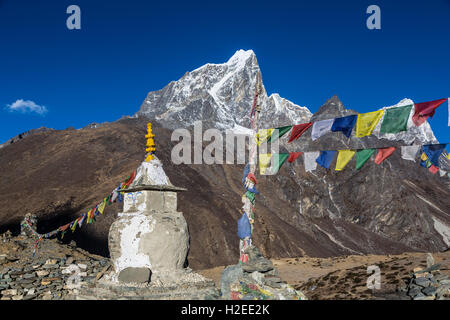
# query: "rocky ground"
[[345, 277], [51, 274]]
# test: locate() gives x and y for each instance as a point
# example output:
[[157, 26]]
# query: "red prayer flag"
[[425, 110], [293, 156], [298, 130], [433, 169], [252, 177], [383, 154]]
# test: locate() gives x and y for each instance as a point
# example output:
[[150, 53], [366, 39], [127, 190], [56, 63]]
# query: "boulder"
[[135, 275]]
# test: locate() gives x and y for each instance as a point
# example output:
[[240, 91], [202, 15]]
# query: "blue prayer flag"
[[344, 124], [325, 158], [433, 151], [244, 227]]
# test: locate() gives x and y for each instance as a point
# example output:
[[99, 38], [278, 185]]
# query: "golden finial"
[[150, 143]]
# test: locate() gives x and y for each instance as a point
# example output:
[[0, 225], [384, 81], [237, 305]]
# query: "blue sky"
[[307, 51]]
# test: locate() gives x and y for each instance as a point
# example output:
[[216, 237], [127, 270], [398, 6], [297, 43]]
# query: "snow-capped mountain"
[[221, 96]]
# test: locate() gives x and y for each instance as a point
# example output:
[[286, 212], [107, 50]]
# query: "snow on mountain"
[[220, 95]]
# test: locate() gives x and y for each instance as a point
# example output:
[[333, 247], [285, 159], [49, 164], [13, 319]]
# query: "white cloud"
[[26, 106]]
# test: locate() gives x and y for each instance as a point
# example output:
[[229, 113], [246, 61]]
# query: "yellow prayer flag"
[[366, 122], [101, 206], [448, 156], [263, 135], [424, 156], [343, 158], [264, 162]]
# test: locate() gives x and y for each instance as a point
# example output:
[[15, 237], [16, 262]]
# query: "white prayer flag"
[[309, 159], [410, 152], [320, 128], [442, 172]]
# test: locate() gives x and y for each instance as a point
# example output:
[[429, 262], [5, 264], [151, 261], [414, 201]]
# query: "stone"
[[230, 275], [82, 266], [3, 259], [50, 266], [51, 261], [423, 282], [18, 297], [69, 260], [429, 291], [29, 276], [135, 275], [430, 260], [10, 292], [419, 296], [414, 291], [42, 273], [256, 261], [418, 269]]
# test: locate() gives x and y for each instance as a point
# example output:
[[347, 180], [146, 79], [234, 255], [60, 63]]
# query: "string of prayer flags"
[[298, 130], [344, 157], [425, 110], [325, 158], [449, 112], [396, 119], [433, 151], [362, 156], [293, 156], [344, 124], [383, 154], [320, 128], [366, 122], [309, 159], [410, 152]]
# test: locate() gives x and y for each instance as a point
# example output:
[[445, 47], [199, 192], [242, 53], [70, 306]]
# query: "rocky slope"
[[395, 207]]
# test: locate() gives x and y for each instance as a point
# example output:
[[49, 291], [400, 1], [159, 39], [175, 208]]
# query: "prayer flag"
[[101, 207], [344, 124], [433, 169], [425, 110], [263, 135], [383, 154], [278, 133], [343, 158], [410, 152], [277, 161], [320, 128], [293, 156], [309, 159], [325, 158], [362, 156], [298, 130], [366, 122], [264, 162], [244, 227], [433, 151], [395, 119]]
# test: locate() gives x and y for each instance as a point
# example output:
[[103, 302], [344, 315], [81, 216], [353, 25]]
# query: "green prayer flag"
[[362, 156], [278, 160], [395, 119], [250, 196], [278, 133]]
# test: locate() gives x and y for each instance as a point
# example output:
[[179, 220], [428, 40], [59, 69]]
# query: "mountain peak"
[[220, 95]]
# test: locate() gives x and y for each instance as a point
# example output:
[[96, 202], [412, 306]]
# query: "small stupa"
[[150, 238], [149, 243]]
